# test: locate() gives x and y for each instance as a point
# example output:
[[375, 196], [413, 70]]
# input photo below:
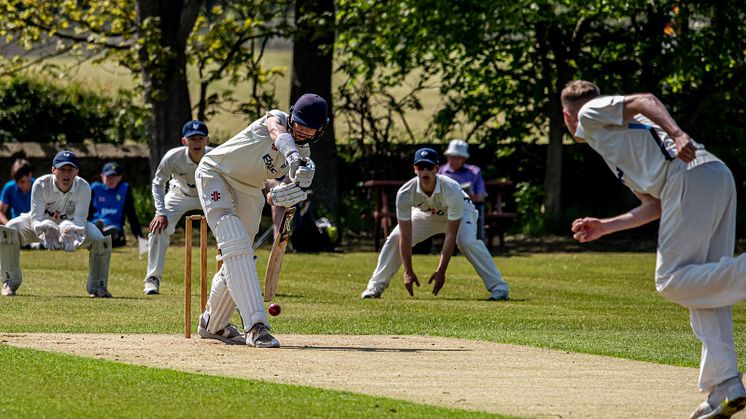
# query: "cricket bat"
[[277, 253]]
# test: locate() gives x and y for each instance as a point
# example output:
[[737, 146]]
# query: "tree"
[[313, 51]]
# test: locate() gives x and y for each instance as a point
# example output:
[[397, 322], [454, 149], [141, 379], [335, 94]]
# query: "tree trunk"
[[312, 73], [553, 174], [164, 77]]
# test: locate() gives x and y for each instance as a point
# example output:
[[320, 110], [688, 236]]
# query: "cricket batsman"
[[59, 209], [176, 170], [230, 179], [693, 194]]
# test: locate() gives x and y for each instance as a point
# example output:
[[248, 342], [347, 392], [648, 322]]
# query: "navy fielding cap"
[[65, 157], [112, 169], [426, 155], [193, 128], [310, 110]]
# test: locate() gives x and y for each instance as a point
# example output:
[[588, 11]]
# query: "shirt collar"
[[437, 186]]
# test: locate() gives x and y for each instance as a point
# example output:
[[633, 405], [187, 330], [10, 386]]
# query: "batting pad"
[[220, 305], [10, 257], [239, 270], [98, 259]]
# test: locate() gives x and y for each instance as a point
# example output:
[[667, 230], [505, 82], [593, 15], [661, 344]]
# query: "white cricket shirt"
[[49, 203], [250, 157], [638, 151], [177, 170], [447, 199]]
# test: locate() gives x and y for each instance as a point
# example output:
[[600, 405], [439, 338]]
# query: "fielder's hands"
[[301, 170], [685, 148], [587, 229], [439, 278], [409, 279], [158, 224], [71, 235], [49, 234], [287, 195]]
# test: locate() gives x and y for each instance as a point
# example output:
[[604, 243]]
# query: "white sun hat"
[[458, 148]]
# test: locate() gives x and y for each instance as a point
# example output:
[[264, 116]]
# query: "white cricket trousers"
[[695, 265], [220, 199], [424, 226], [176, 205]]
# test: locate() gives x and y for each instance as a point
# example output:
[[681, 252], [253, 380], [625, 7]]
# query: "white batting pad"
[[239, 270], [99, 259], [10, 257], [220, 305]]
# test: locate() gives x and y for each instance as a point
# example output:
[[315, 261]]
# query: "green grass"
[[598, 303]]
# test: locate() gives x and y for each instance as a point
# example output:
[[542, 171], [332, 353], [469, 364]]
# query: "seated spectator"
[[468, 176], [111, 201], [16, 194]]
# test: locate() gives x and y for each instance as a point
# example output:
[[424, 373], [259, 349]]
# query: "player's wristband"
[[286, 144]]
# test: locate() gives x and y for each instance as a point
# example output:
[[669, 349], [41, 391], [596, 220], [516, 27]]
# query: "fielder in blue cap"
[[427, 205]]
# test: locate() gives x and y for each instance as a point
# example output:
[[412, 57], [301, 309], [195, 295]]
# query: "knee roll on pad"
[[10, 257]]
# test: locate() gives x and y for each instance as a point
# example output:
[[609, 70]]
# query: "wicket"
[[188, 270]]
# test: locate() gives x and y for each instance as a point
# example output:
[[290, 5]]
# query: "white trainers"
[[7, 290], [499, 295], [728, 398], [259, 337], [230, 334], [371, 292], [152, 286]]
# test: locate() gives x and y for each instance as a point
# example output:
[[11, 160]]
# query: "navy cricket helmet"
[[310, 110]]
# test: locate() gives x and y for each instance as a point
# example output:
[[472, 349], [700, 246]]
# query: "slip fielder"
[[693, 194], [230, 179], [176, 170], [59, 209]]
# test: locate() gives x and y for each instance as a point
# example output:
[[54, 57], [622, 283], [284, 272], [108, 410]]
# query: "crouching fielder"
[[59, 207], [229, 180]]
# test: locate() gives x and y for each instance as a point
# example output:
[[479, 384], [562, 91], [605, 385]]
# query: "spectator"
[[468, 176], [16, 194], [111, 201]]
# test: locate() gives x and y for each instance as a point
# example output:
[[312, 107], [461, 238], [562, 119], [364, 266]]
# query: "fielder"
[[693, 194], [176, 170], [428, 205], [230, 179], [59, 208]]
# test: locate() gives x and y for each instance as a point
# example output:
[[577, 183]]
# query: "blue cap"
[[310, 110], [65, 157], [111, 169], [426, 155], [193, 128]]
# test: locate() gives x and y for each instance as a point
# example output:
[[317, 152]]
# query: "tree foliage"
[[499, 66]]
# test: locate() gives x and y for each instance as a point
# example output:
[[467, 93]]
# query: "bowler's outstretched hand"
[[587, 229], [410, 279]]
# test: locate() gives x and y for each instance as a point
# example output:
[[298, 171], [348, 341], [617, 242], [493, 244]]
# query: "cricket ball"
[[274, 309]]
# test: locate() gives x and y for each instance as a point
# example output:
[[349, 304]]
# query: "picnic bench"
[[497, 215]]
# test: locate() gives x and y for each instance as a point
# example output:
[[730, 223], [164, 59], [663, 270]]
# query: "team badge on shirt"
[[215, 196]]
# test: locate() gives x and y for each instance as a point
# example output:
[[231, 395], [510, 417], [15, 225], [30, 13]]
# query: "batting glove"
[[49, 234], [304, 174], [287, 195]]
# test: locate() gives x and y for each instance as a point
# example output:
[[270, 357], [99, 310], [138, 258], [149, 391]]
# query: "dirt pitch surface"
[[463, 374]]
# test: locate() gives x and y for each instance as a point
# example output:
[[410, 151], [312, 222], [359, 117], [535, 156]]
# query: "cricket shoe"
[[372, 292], [229, 334], [498, 295], [152, 286], [728, 398], [259, 337], [7, 290], [100, 293]]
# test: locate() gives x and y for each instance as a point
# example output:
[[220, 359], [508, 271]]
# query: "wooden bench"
[[497, 217], [498, 210]]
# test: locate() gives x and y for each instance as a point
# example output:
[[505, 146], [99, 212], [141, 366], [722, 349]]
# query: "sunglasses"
[[424, 166]]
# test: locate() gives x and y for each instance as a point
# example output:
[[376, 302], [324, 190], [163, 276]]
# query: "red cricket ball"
[[274, 309]]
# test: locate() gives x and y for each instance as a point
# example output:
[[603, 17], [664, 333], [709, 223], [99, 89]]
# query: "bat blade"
[[276, 255]]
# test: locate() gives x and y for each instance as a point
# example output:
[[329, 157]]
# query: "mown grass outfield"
[[599, 303]]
